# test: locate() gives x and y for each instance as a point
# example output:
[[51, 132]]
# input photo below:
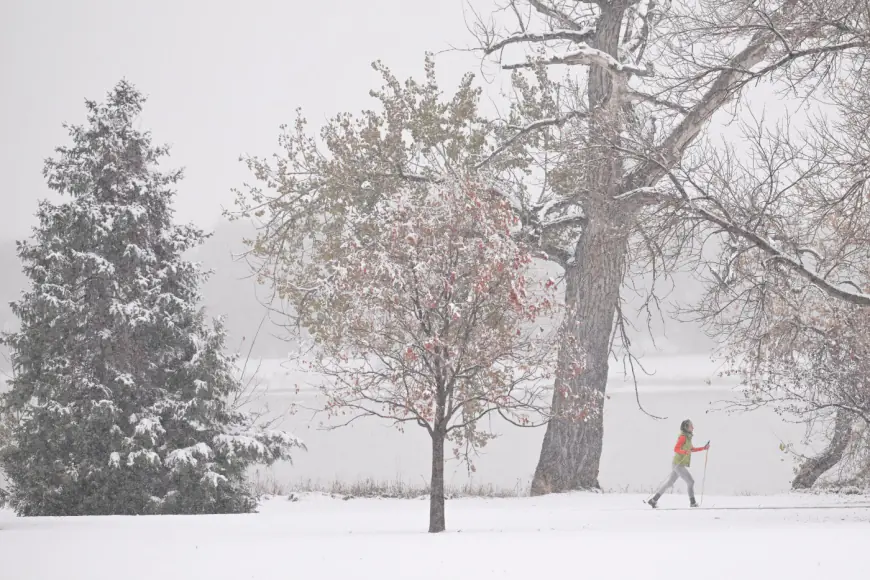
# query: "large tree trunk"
[[437, 520], [813, 468], [571, 451]]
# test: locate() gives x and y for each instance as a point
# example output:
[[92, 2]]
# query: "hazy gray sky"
[[221, 77]]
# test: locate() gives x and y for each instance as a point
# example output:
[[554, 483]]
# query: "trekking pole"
[[704, 480]]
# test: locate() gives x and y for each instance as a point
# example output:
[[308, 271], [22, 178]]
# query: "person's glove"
[[707, 446]]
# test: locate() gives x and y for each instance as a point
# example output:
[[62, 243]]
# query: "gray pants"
[[682, 472]]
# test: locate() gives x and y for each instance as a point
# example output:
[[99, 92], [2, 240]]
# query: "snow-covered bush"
[[121, 391]]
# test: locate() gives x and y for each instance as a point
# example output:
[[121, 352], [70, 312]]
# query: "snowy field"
[[600, 536], [745, 457], [569, 536]]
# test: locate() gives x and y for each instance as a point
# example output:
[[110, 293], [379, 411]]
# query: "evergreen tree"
[[121, 391]]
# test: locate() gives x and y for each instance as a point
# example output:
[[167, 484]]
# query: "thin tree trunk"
[[813, 468], [437, 521], [571, 452]]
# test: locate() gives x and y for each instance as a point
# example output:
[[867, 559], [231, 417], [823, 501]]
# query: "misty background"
[[221, 78]]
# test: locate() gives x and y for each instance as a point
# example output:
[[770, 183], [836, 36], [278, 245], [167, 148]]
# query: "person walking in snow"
[[682, 460]]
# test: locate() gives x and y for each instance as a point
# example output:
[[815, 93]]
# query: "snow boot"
[[653, 502], [692, 502]]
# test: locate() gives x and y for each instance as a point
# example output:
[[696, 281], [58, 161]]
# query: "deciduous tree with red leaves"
[[423, 311]]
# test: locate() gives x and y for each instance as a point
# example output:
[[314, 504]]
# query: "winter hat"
[[684, 426]]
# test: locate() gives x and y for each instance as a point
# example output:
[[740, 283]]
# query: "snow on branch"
[[564, 220], [189, 455], [577, 36], [639, 192], [262, 446], [834, 289], [771, 250], [636, 41], [588, 56]]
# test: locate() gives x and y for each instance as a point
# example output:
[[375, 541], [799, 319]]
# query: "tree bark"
[[813, 468], [571, 452], [437, 520]]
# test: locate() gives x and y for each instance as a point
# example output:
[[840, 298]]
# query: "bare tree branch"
[[576, 36]]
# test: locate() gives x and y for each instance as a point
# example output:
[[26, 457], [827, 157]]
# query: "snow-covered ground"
[[603, 537], [598, 536]]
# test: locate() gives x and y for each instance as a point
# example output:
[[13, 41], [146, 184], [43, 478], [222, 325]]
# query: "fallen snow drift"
[[576, 535]]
